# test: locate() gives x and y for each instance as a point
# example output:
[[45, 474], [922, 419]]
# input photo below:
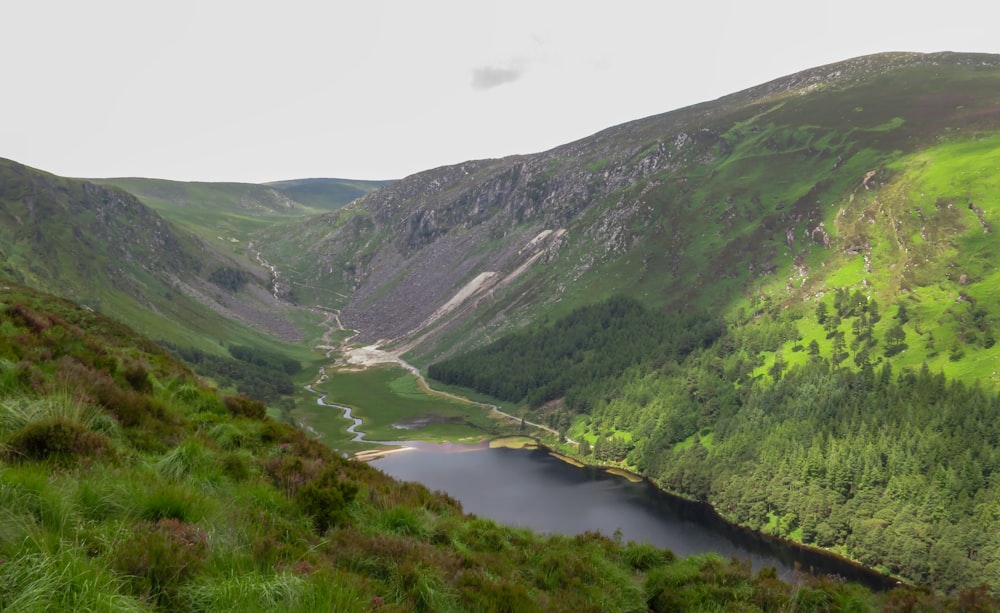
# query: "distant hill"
[[102, 247], [233, 210], [328, 194]]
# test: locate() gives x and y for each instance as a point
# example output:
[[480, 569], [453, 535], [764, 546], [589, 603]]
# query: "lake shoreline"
[[845, 567]]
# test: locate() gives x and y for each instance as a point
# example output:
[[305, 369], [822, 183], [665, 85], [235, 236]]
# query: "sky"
[[252, 91]]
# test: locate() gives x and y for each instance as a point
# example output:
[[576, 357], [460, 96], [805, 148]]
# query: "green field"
[[393, 408]]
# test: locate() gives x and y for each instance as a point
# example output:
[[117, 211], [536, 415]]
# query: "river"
[[531, 488]]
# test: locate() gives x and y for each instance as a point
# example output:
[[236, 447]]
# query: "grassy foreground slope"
[[127, 485]]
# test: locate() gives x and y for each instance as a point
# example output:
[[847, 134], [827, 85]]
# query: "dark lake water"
[[530, 488]]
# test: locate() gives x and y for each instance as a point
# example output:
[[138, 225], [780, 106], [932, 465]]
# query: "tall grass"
[[18, 411], [62, 581], [189, 459], [245, 592]]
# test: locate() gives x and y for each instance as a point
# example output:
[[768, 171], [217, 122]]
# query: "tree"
[[822, 312], [894, 340], [901, 314], [813, 350], [778, 367]]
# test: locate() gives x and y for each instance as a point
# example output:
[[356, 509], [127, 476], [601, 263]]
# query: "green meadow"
[[393, 407]]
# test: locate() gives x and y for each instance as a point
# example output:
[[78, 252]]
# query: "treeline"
[[259, 374], [231, 279], [896, 468], [577, 352], [265, 359]]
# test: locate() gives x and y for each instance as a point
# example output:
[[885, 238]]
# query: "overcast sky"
[[258, 91]]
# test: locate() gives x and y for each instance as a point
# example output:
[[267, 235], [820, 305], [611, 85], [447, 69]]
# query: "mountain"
[[328, 194], [100, 246], [871, 174], [229, 211], [782, 302]]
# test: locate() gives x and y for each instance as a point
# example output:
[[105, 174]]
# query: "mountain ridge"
[[756, 173]]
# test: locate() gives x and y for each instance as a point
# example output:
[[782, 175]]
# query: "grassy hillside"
[[326, 194], [102, 247], [869, 174], [127, 485], [227, 213]]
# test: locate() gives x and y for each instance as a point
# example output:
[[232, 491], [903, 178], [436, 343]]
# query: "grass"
[[514, 442], [706, 439], [393, 408]]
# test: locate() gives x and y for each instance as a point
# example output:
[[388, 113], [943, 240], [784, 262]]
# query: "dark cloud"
[[489, 77]]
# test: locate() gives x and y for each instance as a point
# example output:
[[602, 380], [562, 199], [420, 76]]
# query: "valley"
[[780, 305]]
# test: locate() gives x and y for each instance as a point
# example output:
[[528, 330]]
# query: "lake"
[[533, 489]]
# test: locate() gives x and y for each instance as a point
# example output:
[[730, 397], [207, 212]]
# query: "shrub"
[[404, 521], [326, 500], [188, 458], [235, 467], [160, 556], [58, 439], [242, 405], [170, 501], [229, 436], [137, 377], [643, 556]]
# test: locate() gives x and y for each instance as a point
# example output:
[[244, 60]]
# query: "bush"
[[138, 379], [326, 500], [58, 439], [159, 557], [242, 405], [643, 556], [170, 501]]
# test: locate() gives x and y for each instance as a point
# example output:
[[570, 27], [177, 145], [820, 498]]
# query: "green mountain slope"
[[326, 194], [773, 197], [101, 247], [228, 212], [837, 227], [126, 485], [891, 466]]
